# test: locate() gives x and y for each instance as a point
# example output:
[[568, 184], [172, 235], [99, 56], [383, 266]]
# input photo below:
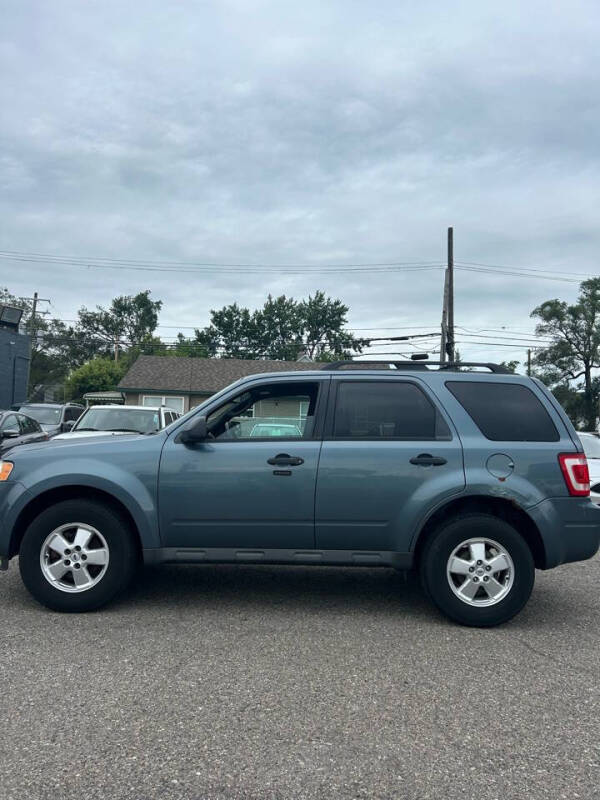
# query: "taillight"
[[575, 472]]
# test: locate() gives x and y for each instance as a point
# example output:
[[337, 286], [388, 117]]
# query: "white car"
[[114, 420], [591, 448]]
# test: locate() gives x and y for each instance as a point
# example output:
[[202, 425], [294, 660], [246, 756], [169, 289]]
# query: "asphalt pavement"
[[286, 682]]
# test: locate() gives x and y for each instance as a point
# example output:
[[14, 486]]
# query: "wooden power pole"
[[444, 339], [450, 268], [447, 340]]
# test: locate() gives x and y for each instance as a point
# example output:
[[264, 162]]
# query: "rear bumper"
[[569, 527]]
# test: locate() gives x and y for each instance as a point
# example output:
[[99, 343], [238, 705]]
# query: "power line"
[[204, 267], [515, 274], [528, 269]]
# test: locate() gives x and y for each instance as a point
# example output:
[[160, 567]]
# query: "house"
[[182, 383]]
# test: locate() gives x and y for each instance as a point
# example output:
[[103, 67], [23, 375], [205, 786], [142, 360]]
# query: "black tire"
[[118, 573], [435, 557]]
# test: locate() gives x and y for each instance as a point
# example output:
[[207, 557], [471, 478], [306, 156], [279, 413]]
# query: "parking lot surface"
[[265, 682]]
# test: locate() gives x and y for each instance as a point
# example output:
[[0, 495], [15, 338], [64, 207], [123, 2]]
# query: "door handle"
[[427, 460], [284, 460]]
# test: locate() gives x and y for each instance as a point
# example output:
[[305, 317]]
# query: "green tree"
[[129, 321], [283, 329], [323, 333], [574, 349], [98, 375], [186, 348], [511, 366], [231, 333]]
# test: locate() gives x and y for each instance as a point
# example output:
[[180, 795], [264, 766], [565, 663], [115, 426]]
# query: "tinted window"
[[386, 410], [28, 425], [72, 414], [505, 412], [276, 411]]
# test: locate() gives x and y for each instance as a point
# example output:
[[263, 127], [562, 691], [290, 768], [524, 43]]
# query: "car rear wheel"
[[77, 556], [478, 570]]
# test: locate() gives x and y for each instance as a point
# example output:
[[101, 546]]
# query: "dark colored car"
[[16, 429], [473, 479], [53, 417]]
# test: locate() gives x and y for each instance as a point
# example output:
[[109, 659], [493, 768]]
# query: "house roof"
[[197, 375]]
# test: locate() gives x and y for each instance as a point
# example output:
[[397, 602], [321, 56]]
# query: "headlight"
[[6, 467]]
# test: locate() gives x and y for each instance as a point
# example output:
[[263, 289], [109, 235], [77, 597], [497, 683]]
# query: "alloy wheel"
[[74, 557], [480, 572]]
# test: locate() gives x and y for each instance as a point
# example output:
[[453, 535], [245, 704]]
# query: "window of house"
[[176, 403], [386, 410], [276, 411]]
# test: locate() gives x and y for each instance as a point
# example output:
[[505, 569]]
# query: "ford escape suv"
[[474, 478]]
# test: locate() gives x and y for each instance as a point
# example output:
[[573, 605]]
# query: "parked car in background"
[[16, 429], [591, 447], [53, 417], [113, 420], [271, 429], [473, 479]]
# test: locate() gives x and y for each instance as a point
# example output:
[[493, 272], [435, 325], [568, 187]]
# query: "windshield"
[[46, 416], [591, 445], [119, 418]]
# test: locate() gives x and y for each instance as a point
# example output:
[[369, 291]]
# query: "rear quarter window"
[[505, 412]]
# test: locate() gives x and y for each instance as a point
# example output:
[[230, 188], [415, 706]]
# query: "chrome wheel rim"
[[74, 557], [480, 572]]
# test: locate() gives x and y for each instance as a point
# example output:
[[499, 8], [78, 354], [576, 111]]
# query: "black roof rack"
[[452, 366]]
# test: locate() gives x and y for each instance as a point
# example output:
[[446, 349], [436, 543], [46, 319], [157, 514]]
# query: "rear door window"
[[505, 412], [386, 410]]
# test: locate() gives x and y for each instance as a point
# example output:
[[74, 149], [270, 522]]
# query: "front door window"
[[278, 411]]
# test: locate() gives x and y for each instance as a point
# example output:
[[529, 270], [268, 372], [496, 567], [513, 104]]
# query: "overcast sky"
[[313, 133]]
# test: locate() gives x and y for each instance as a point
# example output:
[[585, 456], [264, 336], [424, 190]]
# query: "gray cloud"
[[326, 133]]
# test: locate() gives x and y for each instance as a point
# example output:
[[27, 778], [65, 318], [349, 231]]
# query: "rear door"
[[390, 454]]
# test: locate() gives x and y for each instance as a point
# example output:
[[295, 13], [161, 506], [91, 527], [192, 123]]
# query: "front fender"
[[135, 490]]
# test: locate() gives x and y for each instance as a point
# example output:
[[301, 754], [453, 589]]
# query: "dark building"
[[14, 366]]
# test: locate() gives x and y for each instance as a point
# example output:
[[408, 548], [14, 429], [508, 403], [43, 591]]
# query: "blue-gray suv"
[[471, 475]]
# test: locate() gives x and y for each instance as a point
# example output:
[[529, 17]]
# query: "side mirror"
[[194, 431], [67, 426], [9, 434]]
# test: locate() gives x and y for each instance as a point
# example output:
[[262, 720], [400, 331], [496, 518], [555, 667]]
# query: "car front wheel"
[[77, 556], [478, 570]]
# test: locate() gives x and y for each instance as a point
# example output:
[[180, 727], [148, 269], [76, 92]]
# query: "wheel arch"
[[56, 495], [500, 507]]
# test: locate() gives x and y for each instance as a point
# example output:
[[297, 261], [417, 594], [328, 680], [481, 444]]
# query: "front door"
[[252, 483], [389, 455]]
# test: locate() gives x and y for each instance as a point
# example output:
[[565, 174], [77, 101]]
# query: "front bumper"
[[13, 498], [569, 527]]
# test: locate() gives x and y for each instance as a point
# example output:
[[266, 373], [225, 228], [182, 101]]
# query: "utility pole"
[[116, 348], [529, 361], [444, 339], [33, 310], [35, 300], [450, 270]]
